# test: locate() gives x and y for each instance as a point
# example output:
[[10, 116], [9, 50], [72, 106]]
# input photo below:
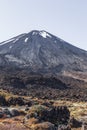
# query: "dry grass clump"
[[43, 126], [38, 108]]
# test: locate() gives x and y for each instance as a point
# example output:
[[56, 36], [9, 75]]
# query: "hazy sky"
[[66, 19]]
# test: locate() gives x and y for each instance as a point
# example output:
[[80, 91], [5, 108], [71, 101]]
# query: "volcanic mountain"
[[40, 64], [42, 52]]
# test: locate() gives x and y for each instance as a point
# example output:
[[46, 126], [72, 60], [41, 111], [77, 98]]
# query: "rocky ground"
[[45, 87], [28, 113], [42, 103]]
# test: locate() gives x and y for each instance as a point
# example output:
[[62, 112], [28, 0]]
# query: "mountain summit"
[[40, 51]]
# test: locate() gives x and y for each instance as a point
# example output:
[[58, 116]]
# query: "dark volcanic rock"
[[14, 112], [16, 101], [16, 82], [75, 123], [6, 111], [59, 115], [2, 101], [55, 115], [1, 114]]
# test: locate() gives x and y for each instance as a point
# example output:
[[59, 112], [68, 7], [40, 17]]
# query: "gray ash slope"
[[40, 51]]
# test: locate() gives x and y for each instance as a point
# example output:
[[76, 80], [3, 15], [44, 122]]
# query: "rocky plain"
[[42, 109]]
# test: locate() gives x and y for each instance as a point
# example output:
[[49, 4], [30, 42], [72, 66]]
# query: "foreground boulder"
[[7, 113], [75, 123], [56, 115], [14, 112], [59, 115]]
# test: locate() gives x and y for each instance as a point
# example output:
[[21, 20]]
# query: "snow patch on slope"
[[26, 39], [10, 47], [44, 34], [15, 40], [34, 33]]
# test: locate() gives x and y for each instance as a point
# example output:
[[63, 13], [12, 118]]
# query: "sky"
[[66, 19]]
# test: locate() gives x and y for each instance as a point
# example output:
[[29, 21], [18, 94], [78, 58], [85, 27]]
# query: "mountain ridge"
[[40, 51]]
